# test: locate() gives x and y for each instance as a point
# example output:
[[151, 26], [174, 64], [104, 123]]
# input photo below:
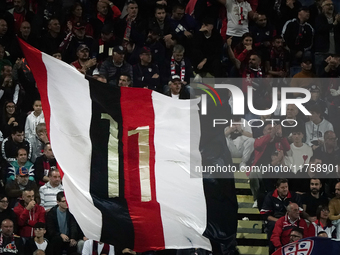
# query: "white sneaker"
[[245, 218], [198, 78], [255, 204]]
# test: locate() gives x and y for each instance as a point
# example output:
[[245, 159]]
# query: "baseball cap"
[[82, 47], [314, 88], [39, 225], [22, 171], [80, 24], [119, 49], [145, 50], [175, 78]]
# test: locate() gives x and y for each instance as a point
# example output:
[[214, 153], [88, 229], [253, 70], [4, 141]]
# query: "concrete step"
[[242, 185], [248, 210], [261, 236], [249, 226], [237, 160], [253, 250], [241, 175], [245, 199]]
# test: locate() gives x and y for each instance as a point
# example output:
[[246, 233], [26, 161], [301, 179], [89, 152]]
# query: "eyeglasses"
[[10, 106], [295, 236], [5, 202]]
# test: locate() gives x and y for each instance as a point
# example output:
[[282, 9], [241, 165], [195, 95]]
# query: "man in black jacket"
[[61, 238]]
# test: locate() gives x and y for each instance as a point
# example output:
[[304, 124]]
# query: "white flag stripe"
[[70, 104], [184, 214]]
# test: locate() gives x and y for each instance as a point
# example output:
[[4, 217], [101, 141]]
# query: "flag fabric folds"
[[125, 155]]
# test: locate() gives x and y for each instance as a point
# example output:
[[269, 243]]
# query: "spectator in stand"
[[145, 73], [328, 150], [75, 37], [26, 35], [62, 228], [125, 81], [177, 89], [6, 212], [47, 10], [13, 143], [132, 28], [107, 13], [84, 63], [306, 73], [315, 9], [244, 49], [3, 60], [316, 99], [327, 35], [91, 246], [52, 39], [18, 165], [38, 241], [312, 200], [292, 113], [238, 14], [295, 235], [43, 165], [263, 33], [156, 47], [20, 14], [179, 65], [299, 153], [277, 59], [298, 35], [38, 141], [6, 70], [8, 40], [323, 223], [77, 15], [105, 44], [316, 128], [183, 25], [49, 191], [284, 225], [11, 243], [10, 118], [161, 21], [14, 189], [28, 212], [240, 140], [114, 66], [33, 119], [334, 210], [207, 50]]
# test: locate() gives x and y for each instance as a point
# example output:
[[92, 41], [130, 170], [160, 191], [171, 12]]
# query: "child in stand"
[[33, 119]]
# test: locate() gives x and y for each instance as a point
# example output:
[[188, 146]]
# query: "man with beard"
[[84, 64], [10, 243], [44, 164], [277, 59], [334, 209], [311, 200], [20, 14]]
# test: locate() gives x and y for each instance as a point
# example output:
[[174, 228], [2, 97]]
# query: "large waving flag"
[[125, 155], [311, 246]]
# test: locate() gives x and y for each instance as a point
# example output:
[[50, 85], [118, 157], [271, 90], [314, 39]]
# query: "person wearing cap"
[[306, 77], [298, 35], [105, 44], [21, 162], [28, 212], [176, 90], [145, 73], [207, 47], [84, 64], [107, 13], [114, 66], [74, 39], [38, 241]]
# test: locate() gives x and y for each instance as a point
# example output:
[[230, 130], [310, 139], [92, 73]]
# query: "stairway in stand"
[[250, 237]]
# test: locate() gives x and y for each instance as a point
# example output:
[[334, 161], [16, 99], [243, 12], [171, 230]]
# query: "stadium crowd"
[[163, 45]]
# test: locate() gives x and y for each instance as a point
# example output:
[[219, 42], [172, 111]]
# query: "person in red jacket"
[[28, 212], [284, 225]]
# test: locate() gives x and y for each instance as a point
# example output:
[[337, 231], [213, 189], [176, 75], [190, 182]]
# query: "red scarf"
[[173, 68], [105, 250]]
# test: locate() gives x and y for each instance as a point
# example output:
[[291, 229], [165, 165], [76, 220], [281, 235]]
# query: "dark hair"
[[318, 214], [21, 148], [276, 37], [51, 171], [39, 225], [2, 196], [240, 46], [297, 229], [280, 181], [60, 195], [127, 75], [313, 158], [178, 6], [322, 232], [159, 7], [315, 108], [16, 129]]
